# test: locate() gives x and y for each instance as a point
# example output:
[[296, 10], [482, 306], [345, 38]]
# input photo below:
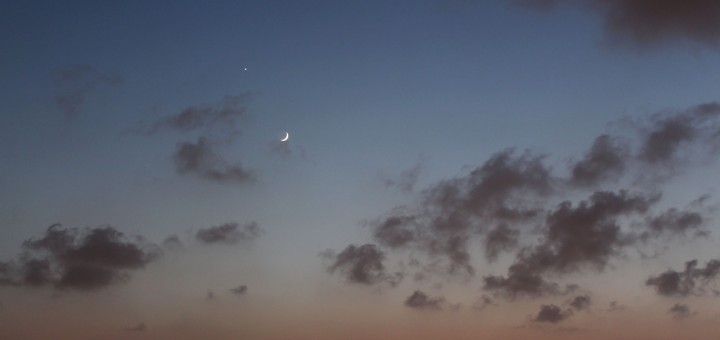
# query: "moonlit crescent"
[[285, 138]]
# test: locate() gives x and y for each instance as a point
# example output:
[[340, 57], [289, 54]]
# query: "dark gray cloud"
[[394, 231], [669, 133], [420, 300], [137, 328], [509, 204], [691, 281], [200, 159], [574, 237], [228, 233], [680, 311], [226, 113], [501, 190], [86, 259], [239, 290], [552, 314], [606, 159], [646, 23], [580, 302], [674, 222], [75, 82], [502, 238], [361, 265], [522, 280]]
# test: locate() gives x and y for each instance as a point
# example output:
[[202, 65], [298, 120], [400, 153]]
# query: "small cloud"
[[580, 302], [200, 159], [76, 82], [239, 290], [361, 265], [615, 306], [228, 233], [551, 314], [420, 300], [225, 113], [691, 281], [137, 328], [483, 302], [680, 311]]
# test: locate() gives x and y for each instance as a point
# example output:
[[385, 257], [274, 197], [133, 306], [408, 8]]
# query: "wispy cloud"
[[75, 82]]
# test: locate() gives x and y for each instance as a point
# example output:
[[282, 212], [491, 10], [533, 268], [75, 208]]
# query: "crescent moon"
[[284, 139]]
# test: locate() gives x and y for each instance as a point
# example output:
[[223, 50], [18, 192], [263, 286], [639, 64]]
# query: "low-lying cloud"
[[82, 259]]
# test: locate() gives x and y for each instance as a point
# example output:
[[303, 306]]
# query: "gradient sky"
[[531, 169]]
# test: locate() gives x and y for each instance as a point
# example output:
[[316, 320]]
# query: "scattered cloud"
[[225, 113], [81, 259], [200, 159], [691, 281], [552, 314], [680, 311], [420, 300], [75, 82], [228, 233]]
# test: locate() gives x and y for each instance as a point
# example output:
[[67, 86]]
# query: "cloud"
[[361, 265], [420, 300], [691, 281], [676, 222], [502, 238], [680, 311], [649, 23], [606, 159], [407, 179], [574, 237], [501, 190], [580, 302], [87, 259], [200, 160], [228, 233], [239, 290], [615, 306], [225, 113], [137, 328], [552, 314], [669, 133], [76, 82], [483, 302], [172, 242], [513, 202]]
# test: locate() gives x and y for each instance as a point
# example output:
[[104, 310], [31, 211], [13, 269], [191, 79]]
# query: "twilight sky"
[[457, 169]]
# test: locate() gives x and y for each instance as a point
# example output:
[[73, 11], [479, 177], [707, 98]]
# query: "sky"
[[519, 169]]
